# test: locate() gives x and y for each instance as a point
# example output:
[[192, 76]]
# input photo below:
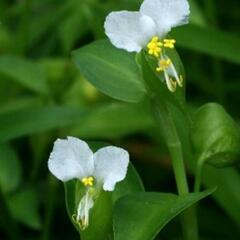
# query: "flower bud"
[[215, 135]]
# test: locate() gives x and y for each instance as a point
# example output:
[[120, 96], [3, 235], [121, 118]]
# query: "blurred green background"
[[43, 96]]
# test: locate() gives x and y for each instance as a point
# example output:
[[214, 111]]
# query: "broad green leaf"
[[142, 216], [114, 121], [20, 123], [210, 41], [110, 70], [216, 137], [25, 72], [10, 169], [24, 208]]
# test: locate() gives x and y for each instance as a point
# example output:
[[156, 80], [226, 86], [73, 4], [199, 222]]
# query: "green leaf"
[[115, 121], [20, 103], [69, 29], [24, 208], [210, 41], [10, 169], [216, 136], [45, 22], [25, 72], [141, 216], [20, 123], [110, 70]]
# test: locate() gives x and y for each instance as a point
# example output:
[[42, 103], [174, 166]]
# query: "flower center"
[[88, 181], [154, 47]]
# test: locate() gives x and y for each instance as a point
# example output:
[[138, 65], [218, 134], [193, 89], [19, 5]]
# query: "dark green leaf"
[[19, 123], [112, 71], [24, 208], [10, 169], [74, 25], [216, 136], [210, 41], [141, 216], [25, 72]]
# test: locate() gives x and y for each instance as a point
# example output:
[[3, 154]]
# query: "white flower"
[[147, 28], [73, 159]]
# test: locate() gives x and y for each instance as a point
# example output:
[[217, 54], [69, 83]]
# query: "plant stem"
[[168, 129]]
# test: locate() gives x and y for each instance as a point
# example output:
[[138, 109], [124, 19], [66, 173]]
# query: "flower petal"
[[130, 31], [71, 158], [110, 166], [166, 13]]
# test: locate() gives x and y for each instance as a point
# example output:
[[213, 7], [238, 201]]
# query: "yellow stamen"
[[169, 43], [154, 47], [88, 181], [163, 64]]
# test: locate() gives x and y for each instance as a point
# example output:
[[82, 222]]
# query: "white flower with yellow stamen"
[[147, 29], [73, 159]]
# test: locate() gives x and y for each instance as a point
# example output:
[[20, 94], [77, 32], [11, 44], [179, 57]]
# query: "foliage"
[[44, 96]]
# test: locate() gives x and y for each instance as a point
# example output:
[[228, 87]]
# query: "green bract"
[[216, 136], [155, 82], [101, 214]]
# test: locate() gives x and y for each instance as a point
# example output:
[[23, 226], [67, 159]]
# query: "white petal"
[[71, 158], [110, 166], [166, 13], [130, 31]]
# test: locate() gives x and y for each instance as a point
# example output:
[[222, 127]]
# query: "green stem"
[[168, 129]]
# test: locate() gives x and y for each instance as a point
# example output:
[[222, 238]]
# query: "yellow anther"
[[88, 181], [154, 47], [169, 43], [163, 64]]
